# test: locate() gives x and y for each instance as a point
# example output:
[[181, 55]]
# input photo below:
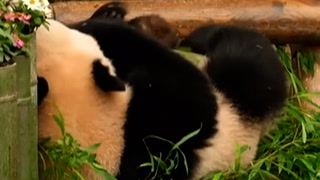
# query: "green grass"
[[163, 165], [290, 151]]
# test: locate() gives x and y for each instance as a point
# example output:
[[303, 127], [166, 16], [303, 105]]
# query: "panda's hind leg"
[[244, 66]]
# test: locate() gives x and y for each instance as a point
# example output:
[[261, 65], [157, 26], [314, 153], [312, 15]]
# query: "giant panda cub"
[[75, 75], [243, 89]]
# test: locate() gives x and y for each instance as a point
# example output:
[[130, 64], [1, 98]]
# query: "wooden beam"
[[284, 21]]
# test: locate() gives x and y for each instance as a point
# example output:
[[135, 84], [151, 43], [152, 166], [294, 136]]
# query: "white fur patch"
[[231, 130]]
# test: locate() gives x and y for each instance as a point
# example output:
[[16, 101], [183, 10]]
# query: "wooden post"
[[8, 120]]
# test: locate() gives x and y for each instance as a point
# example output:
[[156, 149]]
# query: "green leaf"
[[37, 21], [307, 164], [92, 147], [187, 137], [105, 174], [218, 176]]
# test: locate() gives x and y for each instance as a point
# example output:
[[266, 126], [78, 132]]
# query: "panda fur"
[[171, 97], [74, 74], [153, 25]]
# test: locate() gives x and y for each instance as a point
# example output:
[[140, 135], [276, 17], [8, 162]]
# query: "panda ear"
[[42, 88], [104, 80]]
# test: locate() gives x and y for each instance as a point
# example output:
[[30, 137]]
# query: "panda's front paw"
[[112, 10]]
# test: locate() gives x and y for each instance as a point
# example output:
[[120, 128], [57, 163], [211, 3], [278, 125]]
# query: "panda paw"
[[112, 10]]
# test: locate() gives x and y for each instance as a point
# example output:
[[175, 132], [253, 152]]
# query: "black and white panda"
[[74, 74], [246, 88], [153, 25]]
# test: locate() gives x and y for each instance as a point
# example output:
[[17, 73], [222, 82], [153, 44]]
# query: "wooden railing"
[[284, 21]]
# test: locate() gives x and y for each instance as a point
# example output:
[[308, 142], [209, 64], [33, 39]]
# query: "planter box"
[[18, 118]]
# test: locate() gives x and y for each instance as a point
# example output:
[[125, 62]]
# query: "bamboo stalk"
[[288, 21], [8, 120]]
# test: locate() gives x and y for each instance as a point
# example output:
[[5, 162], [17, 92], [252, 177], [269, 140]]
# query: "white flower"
[[48, 13], [40, 5], [33, 4], [45, 3]]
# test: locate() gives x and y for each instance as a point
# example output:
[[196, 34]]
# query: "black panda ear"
[[112, 10], [104, 80], [42, 88]]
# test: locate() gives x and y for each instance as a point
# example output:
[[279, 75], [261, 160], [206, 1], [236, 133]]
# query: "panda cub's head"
[[75, 75]]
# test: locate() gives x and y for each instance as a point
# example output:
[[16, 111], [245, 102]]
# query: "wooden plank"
[[288, 21], [8, 119], [33, 122], [27, 115]]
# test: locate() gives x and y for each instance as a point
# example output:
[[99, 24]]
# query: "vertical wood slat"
[[33, 123], [27, 114], [8, 123]]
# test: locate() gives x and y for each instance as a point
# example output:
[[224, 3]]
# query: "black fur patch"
[[198, 40], [104, 80], [42, 88], [244, 66]]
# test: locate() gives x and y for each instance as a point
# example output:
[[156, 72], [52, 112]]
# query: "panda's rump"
[[232, 130]]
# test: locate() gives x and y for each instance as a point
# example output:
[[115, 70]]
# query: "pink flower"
[[9, 16], [18, 42], [23, 17]]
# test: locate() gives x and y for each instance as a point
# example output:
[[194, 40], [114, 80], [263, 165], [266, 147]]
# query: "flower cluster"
[[18, 20]]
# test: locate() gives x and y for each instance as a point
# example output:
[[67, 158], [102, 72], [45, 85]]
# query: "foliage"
[[18, 20], [66, 157]]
